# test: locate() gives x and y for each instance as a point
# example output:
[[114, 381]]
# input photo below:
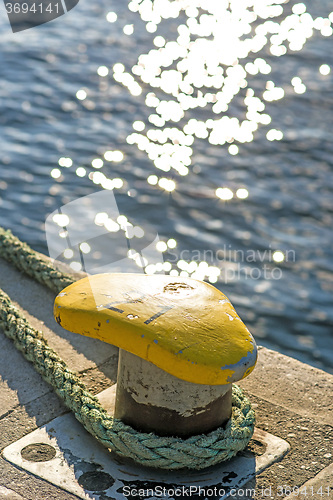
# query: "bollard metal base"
[[64, 454], [151, 400]]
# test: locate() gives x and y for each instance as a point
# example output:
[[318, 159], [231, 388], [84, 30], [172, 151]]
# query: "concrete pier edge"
[[292, 400]]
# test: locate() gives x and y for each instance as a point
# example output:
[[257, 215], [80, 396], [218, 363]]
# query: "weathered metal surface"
[[184, 326], [151, 400], [83, 467]]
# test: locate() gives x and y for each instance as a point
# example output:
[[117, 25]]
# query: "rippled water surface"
[[211, 122]]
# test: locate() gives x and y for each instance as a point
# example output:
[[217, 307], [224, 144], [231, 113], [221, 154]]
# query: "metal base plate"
[[64, 454]]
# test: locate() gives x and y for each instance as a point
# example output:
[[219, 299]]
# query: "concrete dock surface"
[[292, 400]]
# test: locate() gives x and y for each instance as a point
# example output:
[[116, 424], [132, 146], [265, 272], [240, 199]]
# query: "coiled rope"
[[195, 452]]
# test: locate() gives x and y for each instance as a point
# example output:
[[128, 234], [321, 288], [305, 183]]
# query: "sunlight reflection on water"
[[217, 48], [211, 122]]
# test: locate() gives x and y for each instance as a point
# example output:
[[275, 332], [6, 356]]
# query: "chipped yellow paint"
[[184, 326]]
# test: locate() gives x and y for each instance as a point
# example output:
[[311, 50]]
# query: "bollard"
[[151, 400], [182, 345]]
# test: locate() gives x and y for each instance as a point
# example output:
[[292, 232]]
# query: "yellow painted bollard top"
[[186, 327]]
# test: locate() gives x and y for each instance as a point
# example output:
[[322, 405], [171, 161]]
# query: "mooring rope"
[[26, 259], [195, 452]]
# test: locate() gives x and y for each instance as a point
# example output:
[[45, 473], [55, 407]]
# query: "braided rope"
[[195, 452], [25, 259]]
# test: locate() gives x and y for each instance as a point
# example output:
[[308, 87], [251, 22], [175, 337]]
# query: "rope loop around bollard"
[[148, 449]]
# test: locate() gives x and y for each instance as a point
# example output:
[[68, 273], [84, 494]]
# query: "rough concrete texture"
[[8, 494], [317, 487], [292, 401], [277, 374]]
